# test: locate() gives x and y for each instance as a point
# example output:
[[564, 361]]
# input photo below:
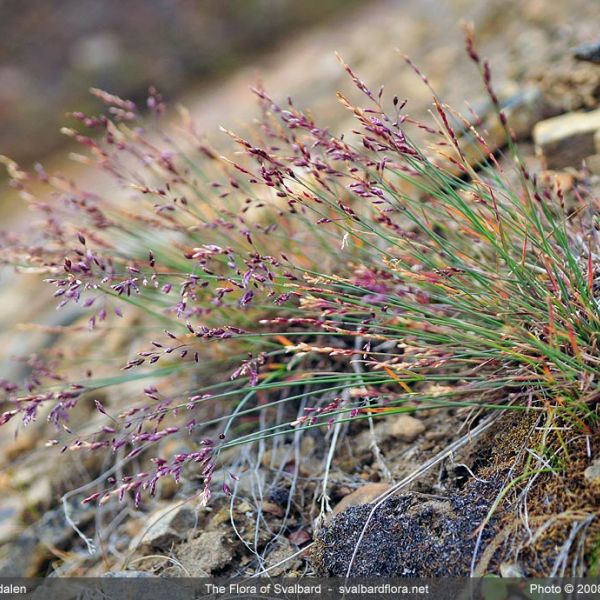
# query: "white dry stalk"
[[325, 506], [378, 455], [560, 564]]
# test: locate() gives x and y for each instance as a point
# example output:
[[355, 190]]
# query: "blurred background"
[[51, 52]]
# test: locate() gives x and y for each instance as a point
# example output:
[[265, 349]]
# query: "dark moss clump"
[[409, 536]]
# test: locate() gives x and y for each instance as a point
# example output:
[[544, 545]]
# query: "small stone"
[[166, 488], [523, 110], [566, 140], [405, 427], [563, 179], [278, 457], [299, 537], [223, 515], [182, 519], [592, 473], [165, 526], [206, 554], [244, 507], [280, 496], [436, 436], [363, 495], [511, 571], [272, 509], [588, 52]]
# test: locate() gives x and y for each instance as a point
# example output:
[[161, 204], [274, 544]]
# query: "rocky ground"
[[436, 468]]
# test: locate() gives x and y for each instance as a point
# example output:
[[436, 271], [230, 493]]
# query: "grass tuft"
[[305, 281]]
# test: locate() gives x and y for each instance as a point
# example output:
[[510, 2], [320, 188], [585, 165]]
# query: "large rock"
[[165, 526], [53, 529], [206, 554], [566, 140]]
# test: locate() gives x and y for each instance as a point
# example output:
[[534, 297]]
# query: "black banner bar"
[[142, 586]]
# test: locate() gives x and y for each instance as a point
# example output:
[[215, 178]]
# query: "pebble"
[[363, 495], [394, 427], [272, 509], [280, 496], [405, 428], [563, 179], [436, 436], [299, 537], [592, 473], [566, 140], [511, 570]]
